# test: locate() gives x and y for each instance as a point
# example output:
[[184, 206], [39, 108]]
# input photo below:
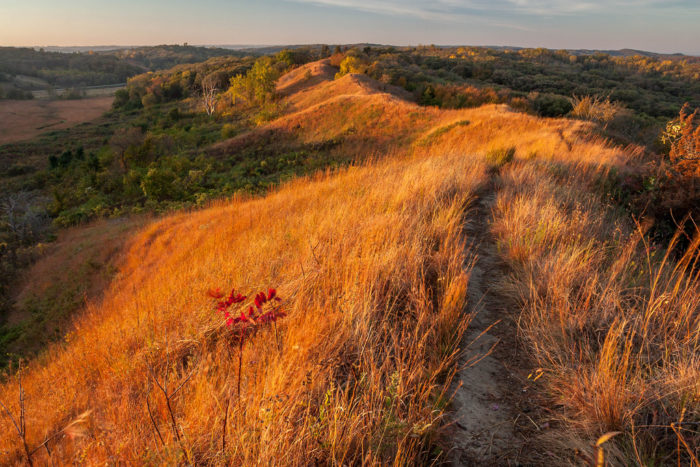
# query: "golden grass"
[[614, 323], [371, 265]]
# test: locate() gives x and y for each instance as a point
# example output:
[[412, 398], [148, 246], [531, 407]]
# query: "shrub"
[[228, 131], [683, 135], [598, 110], [682, 185], [20, 169], [160, 184], [551, 105], [351, 64], [263, 312], [500, 156]]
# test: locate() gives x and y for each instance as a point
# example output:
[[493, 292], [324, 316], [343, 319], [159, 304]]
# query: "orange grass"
[[614, 322], [371, 263]]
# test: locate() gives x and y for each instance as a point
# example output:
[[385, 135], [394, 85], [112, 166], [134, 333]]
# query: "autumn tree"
[[257, 86], [354, 63]]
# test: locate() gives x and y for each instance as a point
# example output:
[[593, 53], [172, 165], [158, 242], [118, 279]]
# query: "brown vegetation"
[[20, 120]]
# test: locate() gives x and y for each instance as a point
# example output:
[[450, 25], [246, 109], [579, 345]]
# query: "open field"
[[90, 91], [25, 119]]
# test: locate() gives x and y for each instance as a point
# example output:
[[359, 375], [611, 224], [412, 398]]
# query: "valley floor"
[[25, 119]]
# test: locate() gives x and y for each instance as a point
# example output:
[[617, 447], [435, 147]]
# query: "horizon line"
[[253, 46]]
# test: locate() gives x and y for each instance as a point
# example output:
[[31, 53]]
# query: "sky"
[[654, 25]]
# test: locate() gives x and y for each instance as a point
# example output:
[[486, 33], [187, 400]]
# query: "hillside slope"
[[373, 266]]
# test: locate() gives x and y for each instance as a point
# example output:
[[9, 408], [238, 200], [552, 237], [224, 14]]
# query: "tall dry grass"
[[613, 320], [371, 265], [597, 109]]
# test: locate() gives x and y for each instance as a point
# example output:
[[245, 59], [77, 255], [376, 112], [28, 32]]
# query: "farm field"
[[24, 119]]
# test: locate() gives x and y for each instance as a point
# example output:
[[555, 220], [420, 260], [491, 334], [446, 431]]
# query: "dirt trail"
[[494, 420]]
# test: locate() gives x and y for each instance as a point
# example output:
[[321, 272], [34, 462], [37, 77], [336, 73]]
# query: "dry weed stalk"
[[168, 396], [21, 427]]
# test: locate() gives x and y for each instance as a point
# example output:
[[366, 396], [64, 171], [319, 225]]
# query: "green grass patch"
[[498, 157]]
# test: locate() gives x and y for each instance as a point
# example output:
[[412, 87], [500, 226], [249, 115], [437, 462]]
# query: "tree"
[[257, 86], [209, 94], [21, 218], [352, 64], [263, 76], [125, 139]]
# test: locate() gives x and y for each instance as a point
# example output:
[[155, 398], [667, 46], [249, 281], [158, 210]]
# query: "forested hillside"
[[25, 69], [166, 56]]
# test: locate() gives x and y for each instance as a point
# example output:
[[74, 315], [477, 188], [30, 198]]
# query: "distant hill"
[[634, 52], [26, 69], [160, 57], [23, 70], [83, 48]]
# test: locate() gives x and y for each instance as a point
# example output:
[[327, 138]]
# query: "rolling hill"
[[464, 292]]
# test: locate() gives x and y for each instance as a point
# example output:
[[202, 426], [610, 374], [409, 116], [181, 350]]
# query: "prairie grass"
[[374, 276], [613, 321], [599, 110]]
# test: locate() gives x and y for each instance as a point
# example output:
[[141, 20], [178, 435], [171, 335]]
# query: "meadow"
[[25, 119]]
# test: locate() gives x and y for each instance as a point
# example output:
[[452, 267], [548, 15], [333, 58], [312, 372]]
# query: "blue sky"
[[656, 25]]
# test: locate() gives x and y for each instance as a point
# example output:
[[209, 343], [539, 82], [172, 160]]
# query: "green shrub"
[[551, 105], [228, 131], [160, 184]]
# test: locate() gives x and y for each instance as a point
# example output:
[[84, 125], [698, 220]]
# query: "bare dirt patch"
[[20, 120]]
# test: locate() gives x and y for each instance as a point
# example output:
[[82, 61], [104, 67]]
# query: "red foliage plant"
[[684, 137], [682, 185], [264, 310]]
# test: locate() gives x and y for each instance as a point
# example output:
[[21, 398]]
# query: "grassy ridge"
[[373, 278], [372, 265]]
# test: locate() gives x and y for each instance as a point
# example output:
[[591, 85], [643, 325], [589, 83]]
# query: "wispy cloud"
[[457, 10], [452, 11]]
